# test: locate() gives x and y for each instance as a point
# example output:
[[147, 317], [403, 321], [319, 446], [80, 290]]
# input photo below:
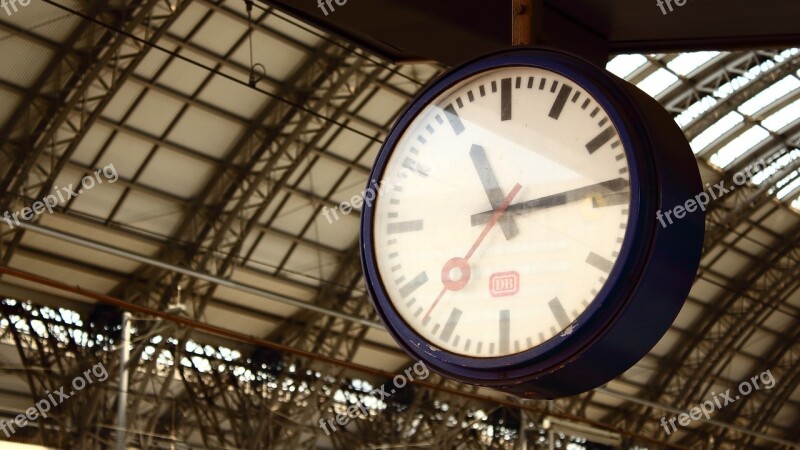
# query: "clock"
[[513, 242]]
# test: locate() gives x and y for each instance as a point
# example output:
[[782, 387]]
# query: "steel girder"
[[726, 217]]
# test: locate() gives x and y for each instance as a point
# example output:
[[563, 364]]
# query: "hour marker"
[[400, 280], [455, 121], [619, 240], [483, 91], [459, 103], [505, 330], [530, 82], [599, 262], [394, 201], [467, 345], [494, 86], [516, 346], [430, 129], [585, 103], [560, 314], [491, 348], [601, 140], [554, 86], [541, 337], [575, 97], [455, 340], [561, 100], [450, 325], [394, 254], [542, 82], [470, 96], [505, 99], [623, 170], [613, 199], [414, 150], [417, 312], [594, 112], [412, 285], [421, 140], [404, 227], [412, 301], [480, 347], [391, 241], [396, 268], [529, 342], [615, 144], [603, 122], [436, 328], [439, 119], [519, 82], [392, 215], [620, 156], [411, 164]]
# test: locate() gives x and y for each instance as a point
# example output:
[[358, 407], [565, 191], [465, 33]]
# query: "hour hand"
[[493, 191], [607, 190]]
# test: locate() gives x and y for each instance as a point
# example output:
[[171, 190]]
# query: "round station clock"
[[514, 241]]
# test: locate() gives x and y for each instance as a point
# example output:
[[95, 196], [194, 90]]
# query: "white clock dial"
[[525, 139]]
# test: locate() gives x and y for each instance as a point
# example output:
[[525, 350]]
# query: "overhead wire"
[[219, 73]]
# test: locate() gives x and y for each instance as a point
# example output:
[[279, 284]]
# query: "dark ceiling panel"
[[450, 31]]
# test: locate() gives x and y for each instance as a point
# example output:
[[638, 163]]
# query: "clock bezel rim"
[[618, 287]]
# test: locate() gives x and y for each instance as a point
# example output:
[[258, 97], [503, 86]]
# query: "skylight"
[[739, 146], [694, 111], [716, 130], [687, 63], [770, 95], [658, 82], [624, 65], [783, 117], [789, 188], [776, 166]]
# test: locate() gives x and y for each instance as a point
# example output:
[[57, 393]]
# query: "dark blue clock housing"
[[647, 286]]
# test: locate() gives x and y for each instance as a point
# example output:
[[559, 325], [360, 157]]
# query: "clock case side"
[[614, 332]]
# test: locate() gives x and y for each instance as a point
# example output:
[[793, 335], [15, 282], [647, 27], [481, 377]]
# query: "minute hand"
[[550, 201]]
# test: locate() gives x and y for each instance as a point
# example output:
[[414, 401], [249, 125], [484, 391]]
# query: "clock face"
[[501, 212]]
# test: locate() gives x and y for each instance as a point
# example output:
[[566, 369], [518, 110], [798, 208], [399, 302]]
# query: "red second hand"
[[495, 217]]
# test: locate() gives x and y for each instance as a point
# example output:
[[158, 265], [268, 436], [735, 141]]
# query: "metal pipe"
[[122, 398], [296, 303], [715, 422], [246, 339], [195, 274]]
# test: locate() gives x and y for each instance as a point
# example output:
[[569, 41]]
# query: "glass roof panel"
[[783, 117], [770, 95], [624, 65], [658, 82], [713, 132], [789, 188], [776, 165], [687, 63], [739, 146]]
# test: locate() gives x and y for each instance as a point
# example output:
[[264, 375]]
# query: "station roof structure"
[[215, 138]]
